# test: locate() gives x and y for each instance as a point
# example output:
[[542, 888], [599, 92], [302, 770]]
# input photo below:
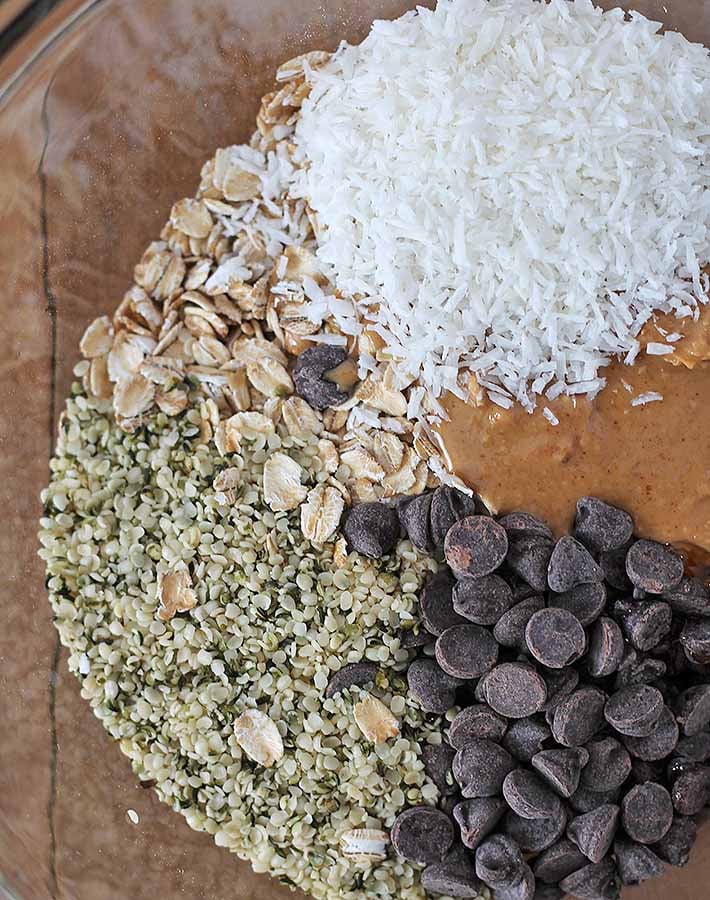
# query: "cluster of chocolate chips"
[[582, 669]]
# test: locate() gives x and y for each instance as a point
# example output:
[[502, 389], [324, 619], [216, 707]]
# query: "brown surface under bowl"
[[110, 110]]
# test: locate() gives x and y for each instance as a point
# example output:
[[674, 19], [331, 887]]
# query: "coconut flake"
[[648, 397]]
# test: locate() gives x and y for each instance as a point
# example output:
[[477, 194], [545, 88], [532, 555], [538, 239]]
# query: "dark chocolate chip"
[[477, 818], [695, 639], [372, 529], [613, 566], [351, 675], [515, 690], [466, 651], [480, 768], [524, 522], [482, 600], [448, 804], [438, 759], [436, 605], [561, 768], [535, 835], [449, 506], [636, 862], [691, 791], [509, 630], [689, 598], [583, 800], [558, 861], [526, 737], [560, 684], [659, 744], [696, 747], [606, 648], [529, 556], [547, 892], [608, 767], [475, 546], [675, 767], [499, 862], [413, 515], [585, 601], [523, 889], [414, 638], [643, 770], [571, 564], [647, 812], [593, 832], [422, 835], [310, 376], [597, 881], [600, 526], [675, 846], [555, 637], [478, 721], [577, 718], [635, 710], [645, 622], [455, 876], [635, 668], [434, 690], [692, 709], [653, 567], [528, 796]]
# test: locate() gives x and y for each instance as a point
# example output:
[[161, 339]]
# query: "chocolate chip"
[[372, 529], [448, 804], [455, 876], [438, 759], [509, 630], [578, 717], [466, 651], [583, 800], [414, 515], [499, 862], [606, 648], [475, 546], [558, 861], [689, 598], [634, 710], [653, 567], [482, 600], [613, 566], [593, 832], [647, 812], [480, 768], [422, 835], [597, 881], [414, 638], [571, 564], [555, 637], [523, 889], [585, 601], [635, 862], [478, 721], [675, 846], [310, 376], [547, 892], [645, 623], [529, 556], [524, 522], [449, 506], [695, 638], [696, 747], [526, 737], [659, 743], [692, 709], [436, 606], [561, 768], [560, 684], [477, 818], [635, 668], [643, 770], [676, 766], [691, 791], [535, 835], [528, 796], [434, 690], [351, 675], [608, 767], [600, 526], [515, 690]]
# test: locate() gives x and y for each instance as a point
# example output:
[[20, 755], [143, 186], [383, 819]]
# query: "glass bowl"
[[108, 109]]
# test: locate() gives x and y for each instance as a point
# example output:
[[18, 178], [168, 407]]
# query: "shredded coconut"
[[511, 188], [656, 349], [648, 397], [550, 416]]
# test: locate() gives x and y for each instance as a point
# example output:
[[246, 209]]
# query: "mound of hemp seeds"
[[273, 619]]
